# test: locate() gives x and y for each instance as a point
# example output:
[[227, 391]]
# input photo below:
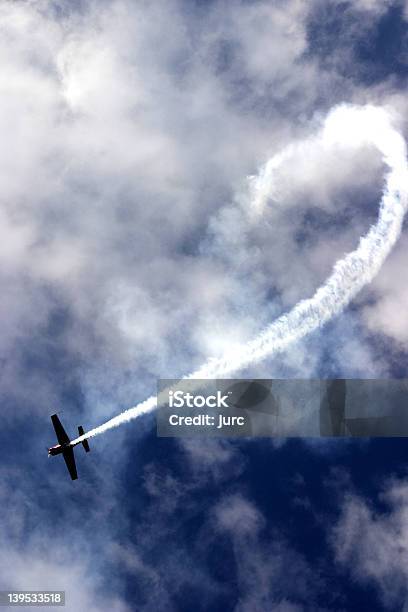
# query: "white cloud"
[[126, 132], [391, 299], [270, 574], [375, 7], [373, 543], [43, 551]]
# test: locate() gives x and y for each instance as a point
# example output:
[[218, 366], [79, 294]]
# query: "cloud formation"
[[372, 543], [127, 131], [120, 157]]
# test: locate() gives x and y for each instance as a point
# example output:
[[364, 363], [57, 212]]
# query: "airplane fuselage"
[[58, 449]]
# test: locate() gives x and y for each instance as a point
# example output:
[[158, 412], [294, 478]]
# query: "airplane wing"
[[59, 430], [69, 459]]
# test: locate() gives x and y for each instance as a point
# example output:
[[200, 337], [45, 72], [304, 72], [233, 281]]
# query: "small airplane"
[[66, 447]]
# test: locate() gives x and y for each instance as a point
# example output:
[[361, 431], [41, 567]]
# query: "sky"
[[128, 132]]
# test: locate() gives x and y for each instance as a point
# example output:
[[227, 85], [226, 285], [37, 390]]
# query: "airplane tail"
[[84, 442]]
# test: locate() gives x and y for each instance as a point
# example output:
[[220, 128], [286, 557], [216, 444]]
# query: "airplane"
[[66, 447]]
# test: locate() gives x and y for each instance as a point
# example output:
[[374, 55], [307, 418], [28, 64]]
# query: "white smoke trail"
[[352, 126]]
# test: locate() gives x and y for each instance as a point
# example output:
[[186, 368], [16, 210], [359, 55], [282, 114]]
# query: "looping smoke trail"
[[352, 126]]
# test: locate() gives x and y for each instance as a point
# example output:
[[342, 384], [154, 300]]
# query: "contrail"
[[345, 125]]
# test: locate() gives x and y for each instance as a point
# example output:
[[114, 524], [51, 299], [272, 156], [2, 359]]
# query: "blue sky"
[[128, 130]]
